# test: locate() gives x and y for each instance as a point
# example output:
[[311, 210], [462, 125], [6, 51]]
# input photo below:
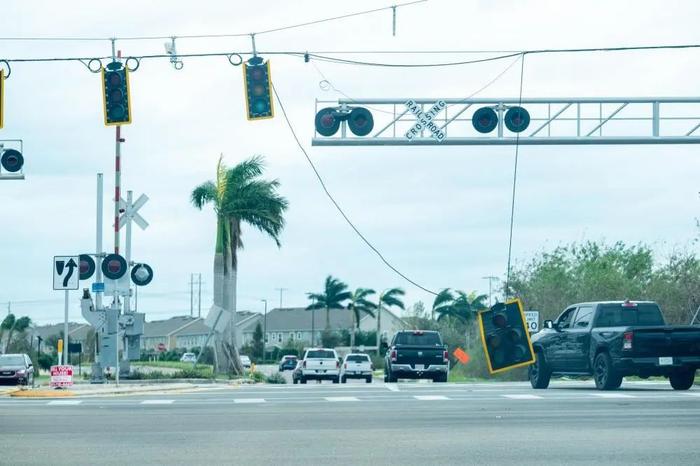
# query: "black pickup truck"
[[416, 354], [613, 339]]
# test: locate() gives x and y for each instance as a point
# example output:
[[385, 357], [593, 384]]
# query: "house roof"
[[185, 325], [75, 330], [299, 319]]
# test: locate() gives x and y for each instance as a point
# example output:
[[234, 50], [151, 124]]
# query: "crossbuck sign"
[[425, 120]]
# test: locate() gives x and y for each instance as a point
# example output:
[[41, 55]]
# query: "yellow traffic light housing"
[[505, 337]]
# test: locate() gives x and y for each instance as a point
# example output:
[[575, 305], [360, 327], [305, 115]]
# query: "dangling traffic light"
[[505, 337], [11, 160], [115, 94], [258, 89]]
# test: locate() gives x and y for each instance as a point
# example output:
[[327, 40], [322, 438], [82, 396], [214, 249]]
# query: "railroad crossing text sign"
[[66, 272], [533, 320], [61, 376], [425, 120]]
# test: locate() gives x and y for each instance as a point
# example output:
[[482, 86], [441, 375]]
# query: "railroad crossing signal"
[[87, 266], [141, 274], [505, 337], [114, 266], [258, 89], [115, 94]]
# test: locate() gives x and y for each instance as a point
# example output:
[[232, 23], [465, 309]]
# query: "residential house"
[[294, 324]]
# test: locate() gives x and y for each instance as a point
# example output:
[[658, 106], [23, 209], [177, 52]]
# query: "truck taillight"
[[627, 340], [393, 355], [445, 357]]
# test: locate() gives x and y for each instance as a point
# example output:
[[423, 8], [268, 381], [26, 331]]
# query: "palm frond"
[[203, 194]]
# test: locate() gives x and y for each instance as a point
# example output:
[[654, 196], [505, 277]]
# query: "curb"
[[41, 394]]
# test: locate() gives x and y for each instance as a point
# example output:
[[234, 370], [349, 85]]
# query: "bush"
[[256, 376], [377, 362], [46, 361], [275, 378], [192, 374]]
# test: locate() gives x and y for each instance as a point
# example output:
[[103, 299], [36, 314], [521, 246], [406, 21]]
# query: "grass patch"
[[171, 365]]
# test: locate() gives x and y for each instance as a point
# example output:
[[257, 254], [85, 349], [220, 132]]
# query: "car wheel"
[[336, 379], [605, 376], [539, 373], [682, 380], [368, 379], [302, 380], [442, 378]]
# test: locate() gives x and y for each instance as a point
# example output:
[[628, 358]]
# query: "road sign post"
[[66, 275]]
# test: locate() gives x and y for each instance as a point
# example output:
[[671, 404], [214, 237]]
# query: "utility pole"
[[264, 328], [199, 297], [490, 278], [191, 295], [281, 290]]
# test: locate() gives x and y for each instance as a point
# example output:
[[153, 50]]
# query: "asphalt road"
[[360, 424]]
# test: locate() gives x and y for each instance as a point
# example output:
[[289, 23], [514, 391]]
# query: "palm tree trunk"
[[230, 282], [219, 276], [328, 318], [379, 323]]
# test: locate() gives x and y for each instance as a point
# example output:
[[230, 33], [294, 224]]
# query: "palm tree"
[[388, 298], [7, 323], [334, 294], [358, 305], [459, 307], [14, 325], [238, 196]]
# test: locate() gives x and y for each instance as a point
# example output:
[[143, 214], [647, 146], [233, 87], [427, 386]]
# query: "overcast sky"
[[440, 214]]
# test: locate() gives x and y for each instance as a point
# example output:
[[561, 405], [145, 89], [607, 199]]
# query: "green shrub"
[[192, 374], [275, 378], [257, 376]]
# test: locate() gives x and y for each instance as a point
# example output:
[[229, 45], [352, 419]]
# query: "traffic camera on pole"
[[115, 94], [258, 89], [505, 337]]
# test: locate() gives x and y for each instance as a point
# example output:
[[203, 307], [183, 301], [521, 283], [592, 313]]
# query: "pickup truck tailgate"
[[354, 366], [666, 341], [419, 355], [321, 364]]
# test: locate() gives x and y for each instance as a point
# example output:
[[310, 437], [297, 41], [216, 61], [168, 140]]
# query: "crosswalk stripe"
[[157, 402], [523, 397], [613, 395], [342, 398], [249, 400], [430, 397], [392, 386], [65, 402]]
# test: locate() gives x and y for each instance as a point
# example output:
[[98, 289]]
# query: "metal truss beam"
[[553, 121]]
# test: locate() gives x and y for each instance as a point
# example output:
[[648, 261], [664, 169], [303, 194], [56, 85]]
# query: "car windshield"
[[418, 339], [9, 360], [615, 315], [320, 354], [357, 358]]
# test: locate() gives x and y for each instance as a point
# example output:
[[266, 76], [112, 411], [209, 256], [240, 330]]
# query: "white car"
[[320, 364], [356, 366], [188, 357], [245, 360]]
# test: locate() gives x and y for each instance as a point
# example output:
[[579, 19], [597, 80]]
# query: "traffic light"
[[505, 337], [115, 94], [11, 160], [258, 88], [2, 96], [114, 266]]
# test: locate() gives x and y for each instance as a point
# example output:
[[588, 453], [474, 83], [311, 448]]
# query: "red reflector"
[[627, 340]]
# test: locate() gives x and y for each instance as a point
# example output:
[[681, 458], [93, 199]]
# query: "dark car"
[[288, 363], [614, 339], [416, 354], [16, 369]]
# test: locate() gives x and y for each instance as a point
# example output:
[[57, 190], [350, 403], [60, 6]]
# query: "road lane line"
[[612, 395], [157, 402], [523, 397], [248, 400], [342, 398], [430, 397], [692, 393], [392, 386], [64, 402]]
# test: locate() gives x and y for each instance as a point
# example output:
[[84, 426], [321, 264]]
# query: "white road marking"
[[342, 398], [392, 386], [157, 402], [430, 397], [613, 395], [692, 393], [523, 397], [64, 402], [249, 400]]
